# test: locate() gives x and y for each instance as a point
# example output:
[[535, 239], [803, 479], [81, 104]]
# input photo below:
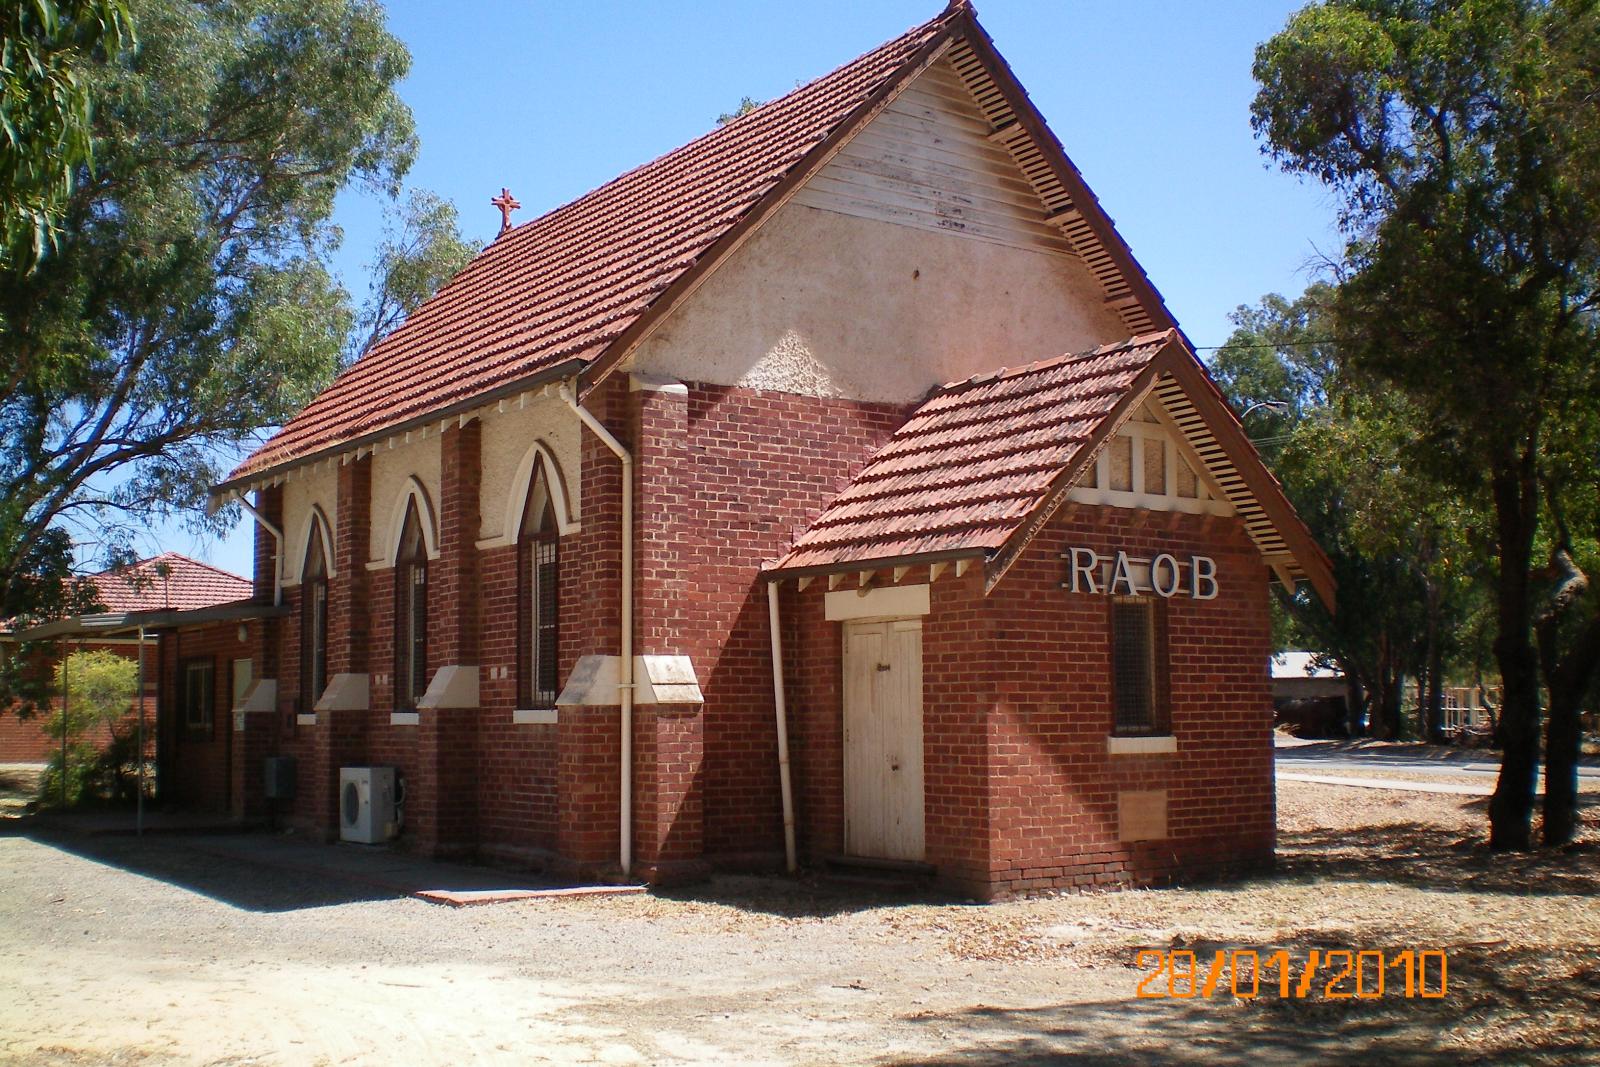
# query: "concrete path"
[[332, 865], [1315, 757], [1391, 783]]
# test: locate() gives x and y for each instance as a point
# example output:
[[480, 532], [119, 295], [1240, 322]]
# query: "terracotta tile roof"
[[975, 461], [168, 582], [566, 285]]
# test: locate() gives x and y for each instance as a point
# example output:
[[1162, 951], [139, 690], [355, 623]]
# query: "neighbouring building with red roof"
[[834, 488], [163, 594]]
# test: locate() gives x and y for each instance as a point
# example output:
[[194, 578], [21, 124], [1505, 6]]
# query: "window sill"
[[306, 718], [405, 718], [534, 717], [1140, 746]]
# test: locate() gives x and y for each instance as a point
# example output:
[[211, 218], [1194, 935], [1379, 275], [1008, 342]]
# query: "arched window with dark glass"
[[411, 613], [314, 620], [538, 615]]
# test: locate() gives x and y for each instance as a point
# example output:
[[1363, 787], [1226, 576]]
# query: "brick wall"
[[516, 764], [196, 771], [588, 805], [763, 465], [1020, 793], [26, 740], [1054, 789]]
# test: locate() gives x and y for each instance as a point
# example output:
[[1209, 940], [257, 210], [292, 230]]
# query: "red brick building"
[[542, 549], [155, 592]]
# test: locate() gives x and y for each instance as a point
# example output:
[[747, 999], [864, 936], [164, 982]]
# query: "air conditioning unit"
[[366, 805]]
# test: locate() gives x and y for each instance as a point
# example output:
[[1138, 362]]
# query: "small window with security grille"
[[1139, 667]]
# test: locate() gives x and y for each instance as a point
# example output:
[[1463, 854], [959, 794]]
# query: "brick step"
[[873, 863], [877, 883], [866, 872]]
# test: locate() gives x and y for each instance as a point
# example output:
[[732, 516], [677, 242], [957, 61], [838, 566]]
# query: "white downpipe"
[[277, 553], [784, 787], [625, 671]]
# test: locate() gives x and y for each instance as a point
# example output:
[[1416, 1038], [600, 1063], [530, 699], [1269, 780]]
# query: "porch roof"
[[981, 466], [107, 623]]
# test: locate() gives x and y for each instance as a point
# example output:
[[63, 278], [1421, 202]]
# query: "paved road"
[[1331, 756]]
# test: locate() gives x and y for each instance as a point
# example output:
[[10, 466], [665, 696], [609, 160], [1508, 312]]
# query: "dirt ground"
[[154, 952]]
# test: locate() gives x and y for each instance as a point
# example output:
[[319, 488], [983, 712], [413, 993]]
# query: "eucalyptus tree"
[[47, 51], [1462, 139], [1346, 455], [186, 302]]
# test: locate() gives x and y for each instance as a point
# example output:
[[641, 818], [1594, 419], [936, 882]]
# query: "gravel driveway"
[[114, 950]]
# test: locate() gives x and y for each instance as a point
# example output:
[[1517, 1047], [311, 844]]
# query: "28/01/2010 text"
[[1335, 974]]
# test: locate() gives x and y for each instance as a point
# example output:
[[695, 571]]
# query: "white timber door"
[[883, 739]]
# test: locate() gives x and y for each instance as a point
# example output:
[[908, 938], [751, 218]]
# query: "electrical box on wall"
[[279, 773]]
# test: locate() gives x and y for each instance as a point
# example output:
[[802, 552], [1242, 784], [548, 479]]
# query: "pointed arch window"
[[411, 613], [314, 620], [538, 605]]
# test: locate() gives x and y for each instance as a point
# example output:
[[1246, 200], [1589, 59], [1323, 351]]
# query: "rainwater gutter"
[[277, 537]]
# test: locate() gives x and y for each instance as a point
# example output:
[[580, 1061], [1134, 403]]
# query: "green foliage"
[[99, 685], [46, 48], [187, 303], [1347, 458], [95, 775], [421, 250], [747, 104], [1463, 140], [94, 691]]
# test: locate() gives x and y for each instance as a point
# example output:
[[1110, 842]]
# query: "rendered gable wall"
[[918, 255], [315, 486], [391, 469], [507, 437]]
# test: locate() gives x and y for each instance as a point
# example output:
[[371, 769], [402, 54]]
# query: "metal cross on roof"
[[507, 204]]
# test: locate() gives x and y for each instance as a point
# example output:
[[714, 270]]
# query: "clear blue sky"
[[1151, 100]]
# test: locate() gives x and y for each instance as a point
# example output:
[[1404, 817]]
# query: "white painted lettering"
[[1120, 575], [1124, 575], [1083, 564], [1169, 587]]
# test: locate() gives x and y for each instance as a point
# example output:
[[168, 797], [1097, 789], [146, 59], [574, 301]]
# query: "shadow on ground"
[[232, 880], [272, 872], [1435, 857], [1501, 1007]]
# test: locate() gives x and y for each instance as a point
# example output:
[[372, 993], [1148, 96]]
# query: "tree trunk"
[[1386, 724], [1516, 516], [1568, 681], [1354, 703], [1432, 703], [1563, 742], [1394, 726]]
